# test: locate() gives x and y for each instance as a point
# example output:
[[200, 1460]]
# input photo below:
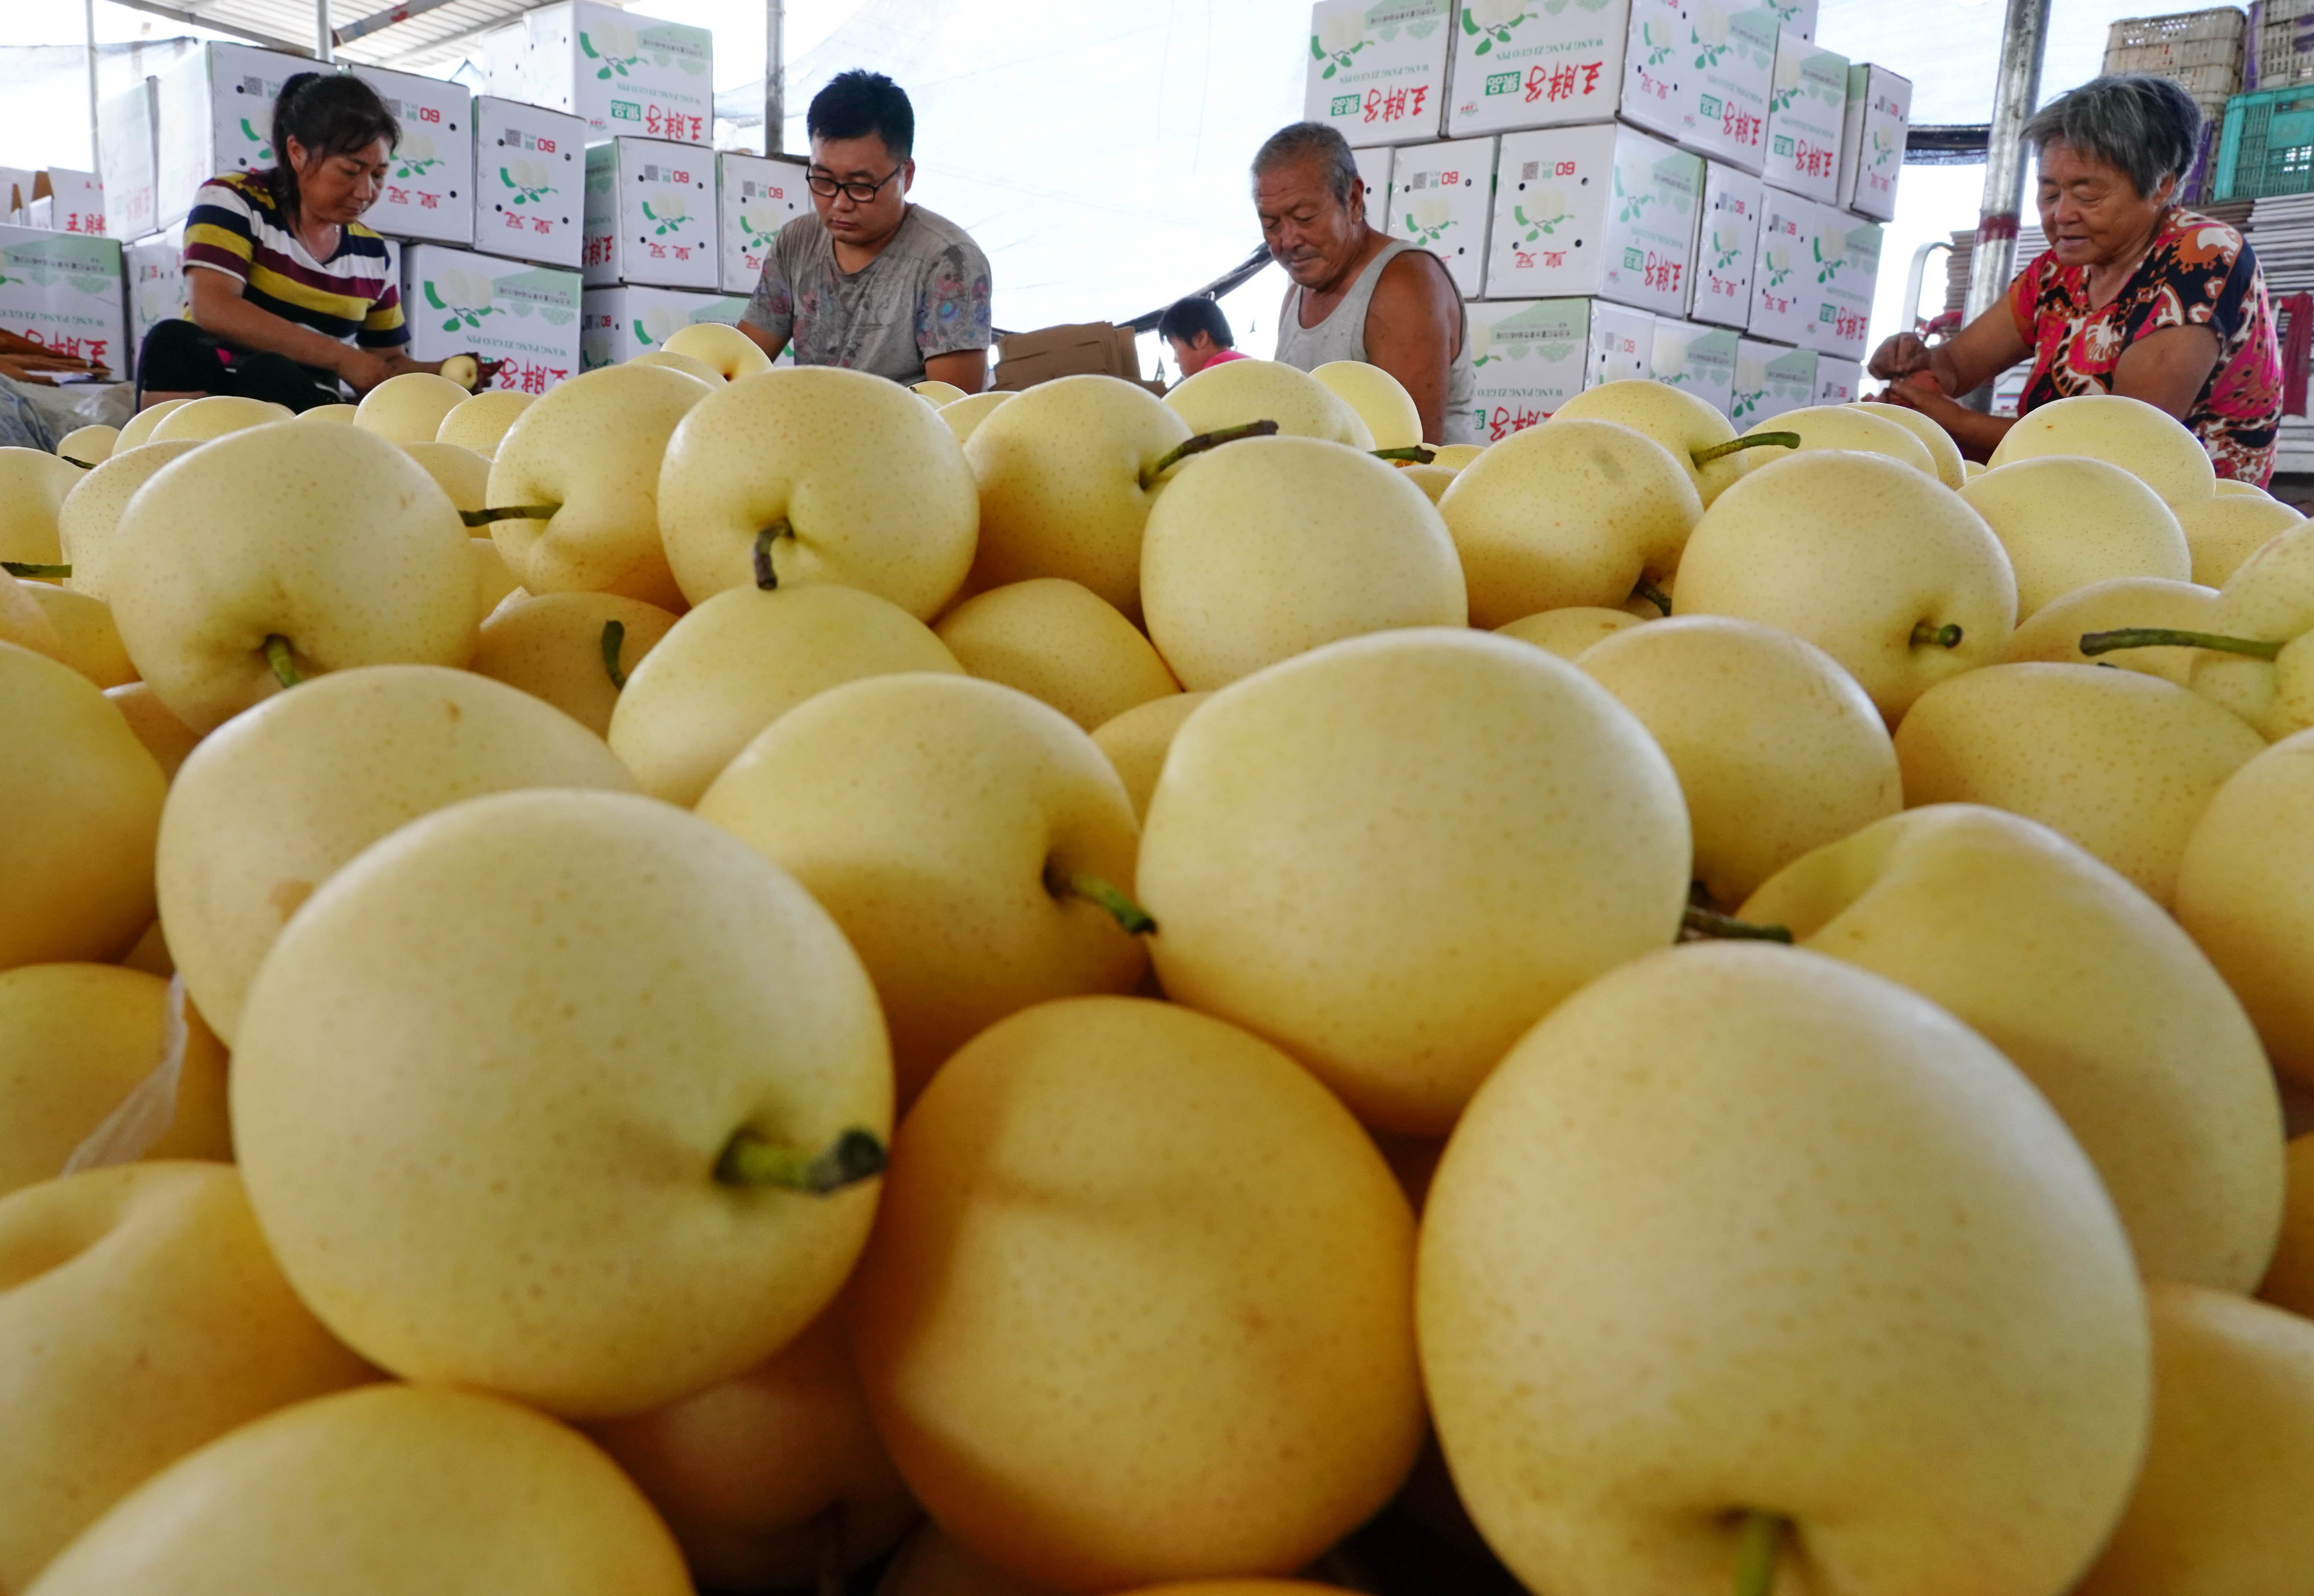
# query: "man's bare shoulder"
[[1417, 277]]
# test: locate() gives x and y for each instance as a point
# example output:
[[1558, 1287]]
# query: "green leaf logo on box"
[[1428, 218], [1550, 209], [615, 47], [414, 156], [1635, 200], [668, 208], [1830, 247], [1709, 33], [1493, 21], [1341, 35], [464, 297], [263, 142], [527, 181]]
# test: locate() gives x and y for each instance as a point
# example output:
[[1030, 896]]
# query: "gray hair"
[[2145, 126], [1311, 141]]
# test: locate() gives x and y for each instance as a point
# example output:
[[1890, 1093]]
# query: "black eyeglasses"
[[827, 187]]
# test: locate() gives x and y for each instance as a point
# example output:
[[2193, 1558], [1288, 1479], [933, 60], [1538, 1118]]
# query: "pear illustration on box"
[[658, 323], [1542, 213], [614, 49], [527, 181], [465, 295], [1341, 35], [414, 156]]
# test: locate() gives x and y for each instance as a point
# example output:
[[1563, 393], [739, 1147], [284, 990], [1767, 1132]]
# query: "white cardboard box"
[[1519, 66], [1603, 210], [1441, 197], [66, 201], [126, 159], [530, 182], [1846, 262], [1622, 344], [650, 215], [457, 301], [429, 183], [1806, 119], [1878, 120], [1798, 16], [1657, 89], [154, 267], [624, 74], [754, 197], [617, 324], [1528, 357], [1838, 381], [63, 291], [1729, 68], [1726, 244], [1783, 286], [15, 193], [1377, 68], [1770, 379], [1376, 165], [213, 113], [1701, 361]]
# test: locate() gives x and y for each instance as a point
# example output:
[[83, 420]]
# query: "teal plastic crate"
[[2268, 147]]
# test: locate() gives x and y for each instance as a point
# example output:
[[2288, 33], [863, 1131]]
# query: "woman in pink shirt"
[[1199, 334]]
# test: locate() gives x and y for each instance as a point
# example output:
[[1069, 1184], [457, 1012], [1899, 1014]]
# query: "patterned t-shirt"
[[926, 293], [237, 229], [2199, 273]]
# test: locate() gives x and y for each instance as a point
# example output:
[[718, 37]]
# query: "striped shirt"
[[236, 228]]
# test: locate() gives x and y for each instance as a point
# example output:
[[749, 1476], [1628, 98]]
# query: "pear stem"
[[767, 577], [1647, 590], [1943, 636], [614, 637], [24, 567], [1077, 884], [1414, 453], [750, 1159], [1710, 923], [2163, 637], [1749, 440], [84, 464], [276, 655], [1757, 1551], [508, 512], [1201, 443]]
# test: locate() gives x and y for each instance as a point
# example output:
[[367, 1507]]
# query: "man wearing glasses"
[[869, 281]]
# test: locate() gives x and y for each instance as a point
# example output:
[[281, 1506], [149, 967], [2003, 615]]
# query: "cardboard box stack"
[[621, 72], [530, 182], [1673, 182], [428, 194], [461, 302], [63, 291], [755, 198]]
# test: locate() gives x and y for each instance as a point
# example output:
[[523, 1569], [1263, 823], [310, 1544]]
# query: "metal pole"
[[95, 137], [775, 87], [2023, 41], [325, 43]]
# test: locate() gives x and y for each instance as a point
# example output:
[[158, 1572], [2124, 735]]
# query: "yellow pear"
[[1237, 391], [772, 1474], [328, 415], [2087, 988], [1679, 1288], [464, 370], [1432, 479], [1568, 632], [2122, 764], [2243, 891], [2067, 521], [140, 1319], [731, 352], [33, 484], [1952, 470], [1849, 426], [480, 420], [1530, 837], [2266, 607], [1685, 426], [2054, 635], [964, 416], [1380, 399], [139, 427], [493, 581], [273, 802], [1137, 741], [931, 1564], [273, 554], [591, 451], [938, 394], [818, 475], [1067, 472], [969, 841], [86, 638], [1060, 642], [2149, 444], [25, 621], [2230, 487], [92, 445], [1453, 456], [75, 1041], [2221, 1507], [1266, 548], [90, 518], [1138, 1373], [553, 646], [1926, 595], [408, 409], [2290, 1278], [1572, 513], [150, 955], [217, 415], [394, 1489], [1777, 749], [743, 658], [166, 737], [499, 1186], [459, 472], [80, 804], [2226, 529], [690, 365]]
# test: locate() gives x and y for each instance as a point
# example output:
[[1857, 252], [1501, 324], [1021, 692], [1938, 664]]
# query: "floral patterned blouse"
[[2199, 273]]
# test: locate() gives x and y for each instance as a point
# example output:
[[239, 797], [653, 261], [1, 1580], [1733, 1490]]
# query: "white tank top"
[[1342, 336]]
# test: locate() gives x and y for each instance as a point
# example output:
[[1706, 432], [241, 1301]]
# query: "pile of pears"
[[749, 980]]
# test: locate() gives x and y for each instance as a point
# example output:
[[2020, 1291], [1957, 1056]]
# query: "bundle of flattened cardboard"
[[1100, 349]]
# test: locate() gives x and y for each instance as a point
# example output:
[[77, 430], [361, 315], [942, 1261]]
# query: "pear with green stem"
[[1689, 428], [558, 646]]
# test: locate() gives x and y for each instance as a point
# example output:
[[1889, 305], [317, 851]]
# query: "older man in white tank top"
[[1359, 294]]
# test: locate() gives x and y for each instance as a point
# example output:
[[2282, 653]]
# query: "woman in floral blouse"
[[2136, 295]]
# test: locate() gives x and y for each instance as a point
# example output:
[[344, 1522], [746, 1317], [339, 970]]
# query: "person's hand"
[[361, 369], [1899, 357], [1920, 392]]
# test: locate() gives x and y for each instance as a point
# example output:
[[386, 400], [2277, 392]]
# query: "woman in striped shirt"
[[291, 295]]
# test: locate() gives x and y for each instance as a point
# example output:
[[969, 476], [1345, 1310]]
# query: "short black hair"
[[859, 103], [330, 113], [1186, 318]]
